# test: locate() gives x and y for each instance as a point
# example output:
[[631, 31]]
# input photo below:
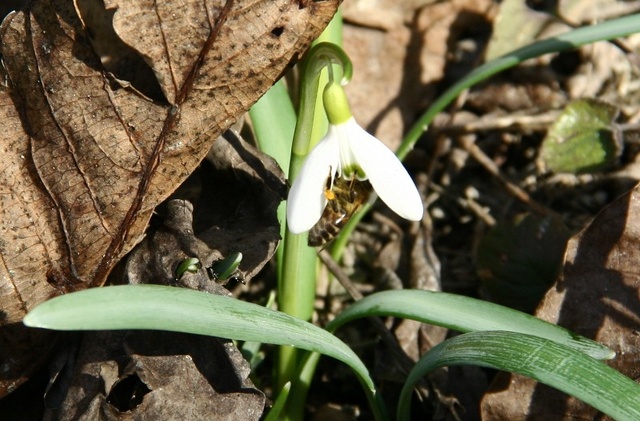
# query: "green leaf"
[[157, 307], [275, 413], [583, 139], [551, 363], [274, 120], [464, 314]]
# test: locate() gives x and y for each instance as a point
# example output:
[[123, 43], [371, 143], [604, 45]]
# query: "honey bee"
[[344, 198]]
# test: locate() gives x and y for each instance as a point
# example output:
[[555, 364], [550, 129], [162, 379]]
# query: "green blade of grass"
[[464, 314], [157, 307], [551, 363], [275, 413]]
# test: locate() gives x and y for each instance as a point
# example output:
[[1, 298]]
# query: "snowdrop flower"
[[348, 151]]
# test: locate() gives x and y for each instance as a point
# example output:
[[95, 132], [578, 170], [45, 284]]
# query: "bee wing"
[[387, 175], [306, 197]]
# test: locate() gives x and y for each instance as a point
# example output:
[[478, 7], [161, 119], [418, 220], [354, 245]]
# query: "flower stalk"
[[295, 285]]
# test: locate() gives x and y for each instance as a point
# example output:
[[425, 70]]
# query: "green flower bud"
[[336, 104]]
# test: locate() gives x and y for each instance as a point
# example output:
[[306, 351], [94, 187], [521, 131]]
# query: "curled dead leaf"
[[156, 375], [87, 156]]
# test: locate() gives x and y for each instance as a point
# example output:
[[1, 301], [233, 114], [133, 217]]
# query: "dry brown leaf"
[[167, 384], [580, 11], [397, 71], [155, 259], [598, 297], [88, 155], [252, 186], [235, 197], [147, 375]]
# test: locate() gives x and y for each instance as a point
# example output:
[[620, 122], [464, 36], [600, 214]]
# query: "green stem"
[[296, 284]]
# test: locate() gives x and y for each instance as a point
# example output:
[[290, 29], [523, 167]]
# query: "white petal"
[[387, 175], [306, 197]]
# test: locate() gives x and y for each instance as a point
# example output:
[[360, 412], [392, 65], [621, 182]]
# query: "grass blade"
[[464, 314], [157, 307], [553, 364]]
